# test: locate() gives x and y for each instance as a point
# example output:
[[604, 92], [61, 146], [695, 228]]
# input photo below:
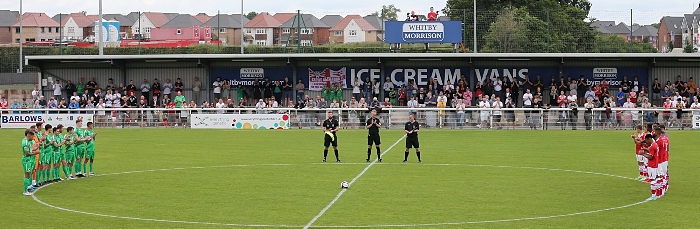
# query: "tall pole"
[[140, 33], [100, 42], [475, 51], [242, 34], [60, 34], [631, 28], [218, 27], [20, 37], [298, 31]]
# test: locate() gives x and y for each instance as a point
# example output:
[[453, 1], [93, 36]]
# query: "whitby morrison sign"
[[398, 32]]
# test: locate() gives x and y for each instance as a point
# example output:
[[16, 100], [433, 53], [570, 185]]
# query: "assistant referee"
[[330, 126], [411, 130], [373, 125]]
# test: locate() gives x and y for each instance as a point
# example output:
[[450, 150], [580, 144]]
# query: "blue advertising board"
[[613, 76], [246, 76], [401, 32], [519, 74]]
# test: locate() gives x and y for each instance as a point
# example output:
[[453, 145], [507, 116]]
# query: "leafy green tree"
[[688, 46], [507, 34], [389, 12], [251, 15]]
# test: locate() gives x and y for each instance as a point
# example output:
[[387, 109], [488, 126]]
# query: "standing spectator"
[[656, 92], [572, 96], [442, 104], [573, 114], [588, 115], [484, 116], [498, 87], [145, 88], [695, 106], [367, 88], [110, 83], [300, 90], [620, 96], [241, 92], [167, 89], [197, 89], [36, 93], [375, 88], [287, 88], [581, 86], [57, 89], [267, 88], [432, 16], [80, 87], [526, 84], [185, 113], [91, 86], [226, 86], [257, 90], [393, 96], [497, 105], [553, 93], [179, 100], [402, 96], [179, 86], [510, 115], [515, 89], [635, 85], [131, 88], [589, 95], [156, 88], [460, 106], [4, 105], [527, 103], [155, 102], [632, 96], [411, 89], [277, 91], [356, 85], [573, 89], [641, 98], [627, 115], [691, 88], [217, 88]]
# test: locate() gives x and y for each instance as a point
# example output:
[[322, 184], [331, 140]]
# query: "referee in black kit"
[[373, 124], [411, 130], [330, 127]]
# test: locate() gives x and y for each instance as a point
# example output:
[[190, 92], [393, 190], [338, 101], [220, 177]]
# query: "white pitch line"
[[350, 184]]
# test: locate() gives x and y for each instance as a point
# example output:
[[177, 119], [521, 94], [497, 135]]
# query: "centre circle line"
[[346, 226], [323, 211]]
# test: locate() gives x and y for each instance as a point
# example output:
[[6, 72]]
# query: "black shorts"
[[374, 139], [327, 141], [412, 143], [497, 118]]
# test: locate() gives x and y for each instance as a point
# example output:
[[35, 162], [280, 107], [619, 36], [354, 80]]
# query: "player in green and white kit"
[[45, 156], [89, 146], [59, 140], [29, 149], [79, 149], [70, 152]]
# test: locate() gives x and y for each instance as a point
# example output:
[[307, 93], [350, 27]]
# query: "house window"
[[42, 40], [71, 29], [261, 31], [137, 31], [287, 30], [261, 42], [42, 29], [147, 29], [178, 31], [306, 43], [307, 31], [222, 30], [17, 31], [58, 29], [337, 33], [50, 29], [248, 31], [17, 40], [352, 33]]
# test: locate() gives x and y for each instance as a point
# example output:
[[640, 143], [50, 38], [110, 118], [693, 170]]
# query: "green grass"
[[275, 178]]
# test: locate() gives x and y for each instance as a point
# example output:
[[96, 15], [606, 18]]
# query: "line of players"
[[652, 149], [47, 150], [373, 124]]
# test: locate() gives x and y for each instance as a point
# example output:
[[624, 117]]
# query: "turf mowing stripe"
[[350, 184]]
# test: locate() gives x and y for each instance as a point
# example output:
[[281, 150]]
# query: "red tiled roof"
[[202, 17], [284, 17], [81, 20], [158, 19], [37, 20], [361, 22], [263, 20]]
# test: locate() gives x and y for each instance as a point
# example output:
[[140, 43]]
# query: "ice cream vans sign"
[[423, 32]]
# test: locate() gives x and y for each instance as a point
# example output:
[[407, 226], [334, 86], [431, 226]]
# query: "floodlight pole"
[[100, 36], [474, 26], [242, 34], [20, 37]]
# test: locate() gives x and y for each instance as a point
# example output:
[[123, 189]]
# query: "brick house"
[[670, 30], [353, 29], [227, 27], [36, 27], [7, 19], [312, 31], [183, 27]]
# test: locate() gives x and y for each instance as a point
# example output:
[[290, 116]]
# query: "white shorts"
[[641, 158], [654, 172], [663, 168], [484, 117]]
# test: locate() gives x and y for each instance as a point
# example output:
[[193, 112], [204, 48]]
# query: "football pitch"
[[183, 178]]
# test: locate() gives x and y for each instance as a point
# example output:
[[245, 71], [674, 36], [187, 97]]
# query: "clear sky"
[[646, 11]]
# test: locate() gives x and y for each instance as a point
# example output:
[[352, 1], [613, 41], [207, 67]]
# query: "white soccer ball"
[[344, 184]]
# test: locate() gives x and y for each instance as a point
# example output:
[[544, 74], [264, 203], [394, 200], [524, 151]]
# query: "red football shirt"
[[432, 16], [640, 138], [663, 149], [654, 151]]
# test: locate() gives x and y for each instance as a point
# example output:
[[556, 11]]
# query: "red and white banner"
[[326, 78]]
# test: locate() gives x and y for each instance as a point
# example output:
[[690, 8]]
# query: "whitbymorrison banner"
[[23, 121], [240, 121]]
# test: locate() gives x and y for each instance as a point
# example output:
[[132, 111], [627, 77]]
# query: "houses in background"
[[36, 27], [647, 34], [227, 27]]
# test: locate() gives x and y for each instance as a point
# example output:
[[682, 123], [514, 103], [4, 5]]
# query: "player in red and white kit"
[[638, 138], [652, 153], [663, 143]]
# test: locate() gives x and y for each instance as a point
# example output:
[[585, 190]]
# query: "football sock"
[[641, 170], [369, 152], [39, 176], [379, 153], [418, 154], [90, 166], [77, 167], [65, 171], [336, 154], [84, 167], [27, 182], [325, 154], [34, 176], [405, 156]]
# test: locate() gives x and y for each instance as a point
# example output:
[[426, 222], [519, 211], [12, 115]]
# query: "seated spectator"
[[73, 105], [37, 107], [4, 105], [260, 106]]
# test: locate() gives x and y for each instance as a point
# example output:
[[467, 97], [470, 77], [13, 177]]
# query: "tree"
[[506, 35], [688, 46], [389, 12], [560, 24], [251, 15], [656, 25]]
